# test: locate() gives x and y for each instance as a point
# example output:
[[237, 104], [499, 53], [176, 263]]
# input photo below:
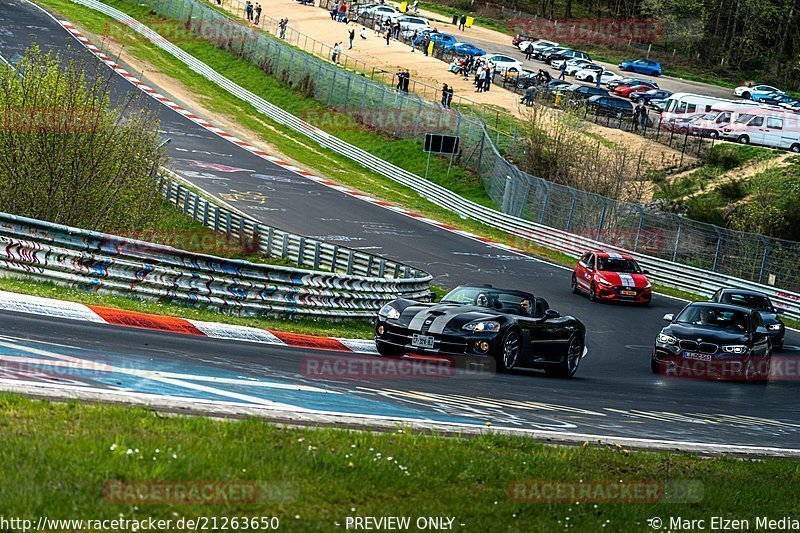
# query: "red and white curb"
[[23, 303], [264, 155]]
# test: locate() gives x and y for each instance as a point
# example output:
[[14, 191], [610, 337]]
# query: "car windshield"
[[753, 301], [744, 118], [702, 315], [498, 300], [613, 264]]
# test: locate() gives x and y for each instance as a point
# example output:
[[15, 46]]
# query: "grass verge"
[[316, 478]]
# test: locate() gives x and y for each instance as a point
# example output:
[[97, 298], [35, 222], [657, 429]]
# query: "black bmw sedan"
[[709, 339]]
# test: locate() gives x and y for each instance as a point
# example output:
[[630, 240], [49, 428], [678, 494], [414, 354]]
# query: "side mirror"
[[779, 311], [646, 272], [433, 297], [668, 317], [551, 314], [762, 331]]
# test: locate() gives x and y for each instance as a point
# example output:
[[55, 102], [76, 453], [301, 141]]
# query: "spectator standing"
[[414, 40], [342, 11], [529, 51], [425, 42], [334, 10], [597, 81], [282, 25], [444, 95], [377, 26], [636, 112], [642, 116], [337, 49], [351, 35], [562, 70], [490, 68], [481, 79], [462, 22], [406, 80], [388, 36], [258, 14], [415, 7], [449, 97], [397, 30], [248, 10]]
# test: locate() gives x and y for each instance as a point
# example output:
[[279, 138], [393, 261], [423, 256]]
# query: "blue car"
[[774, 99], [642, 66], [465, 49], [647, 96], [443, 39]]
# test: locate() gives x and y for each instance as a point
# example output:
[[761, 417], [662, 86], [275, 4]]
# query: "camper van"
[[767, 126], [711, 124], [680, 105]]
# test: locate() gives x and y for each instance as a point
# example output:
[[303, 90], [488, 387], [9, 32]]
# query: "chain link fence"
[[664, 235]]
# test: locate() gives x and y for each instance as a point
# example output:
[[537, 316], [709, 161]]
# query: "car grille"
[[443, 343], [702, 347]]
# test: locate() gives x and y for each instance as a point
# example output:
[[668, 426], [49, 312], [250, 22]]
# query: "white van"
[[767, 126], [711, 124], [680, 105]]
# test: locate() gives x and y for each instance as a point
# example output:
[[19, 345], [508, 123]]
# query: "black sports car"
[[761, 303], [709, 339], [514, 328]]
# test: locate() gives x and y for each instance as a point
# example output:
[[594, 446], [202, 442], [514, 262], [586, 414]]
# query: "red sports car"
[[626, 90], [611, 276]]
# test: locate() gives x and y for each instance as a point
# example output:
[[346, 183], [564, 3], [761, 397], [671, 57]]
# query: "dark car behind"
[[608, 106]]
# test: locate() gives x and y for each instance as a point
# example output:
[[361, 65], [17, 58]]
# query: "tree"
[[67, 154]]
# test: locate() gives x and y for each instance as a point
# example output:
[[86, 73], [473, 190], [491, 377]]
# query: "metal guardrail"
[[355, 285], [666, 272]]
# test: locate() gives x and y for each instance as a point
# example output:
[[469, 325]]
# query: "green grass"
[[64, 454]]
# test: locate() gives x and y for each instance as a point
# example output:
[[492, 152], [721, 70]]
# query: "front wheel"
[[574, 285], [593, 293], [572, 359], [795, 148], [509, 351], [655, 367], [743, 139], [387, 350]]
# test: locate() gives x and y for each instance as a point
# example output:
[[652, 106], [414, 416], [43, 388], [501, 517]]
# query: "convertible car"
[[515, 328]]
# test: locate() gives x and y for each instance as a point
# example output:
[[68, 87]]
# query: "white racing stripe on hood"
[[441, 321], [627, 280]]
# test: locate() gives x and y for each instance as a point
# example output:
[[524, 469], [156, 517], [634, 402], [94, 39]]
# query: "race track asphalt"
[[614, 382]]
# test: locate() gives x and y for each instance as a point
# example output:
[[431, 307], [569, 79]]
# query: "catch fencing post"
[[507, 195], [602, 219], [764, 259], [677, 238], [639, 229], [718, 248]]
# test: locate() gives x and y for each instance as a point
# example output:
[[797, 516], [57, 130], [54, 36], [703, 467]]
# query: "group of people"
[[252, 12], [423, 40], [447, 96], [403, 78], [339, 12], [484, 75]]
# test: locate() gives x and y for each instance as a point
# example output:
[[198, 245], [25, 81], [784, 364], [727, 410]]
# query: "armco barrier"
[[666, 272], [356, 286]]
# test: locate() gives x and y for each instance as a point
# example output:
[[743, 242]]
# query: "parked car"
[[679, 124], [544, 53], [760, 302], [380, 10], [590, 72], [466, 49], [748, 91], [579, 92], [445, 40], [774, 99], [608, 106], [712, 123], [504, 63], [686, 104], [646, 96], [642, 66], [657, 105], [538, 46], [555, 60], [574, 65], [410, 24], [626, 90], [628, 80], [521, 37]]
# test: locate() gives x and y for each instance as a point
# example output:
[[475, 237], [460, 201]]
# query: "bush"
[[68, 156]]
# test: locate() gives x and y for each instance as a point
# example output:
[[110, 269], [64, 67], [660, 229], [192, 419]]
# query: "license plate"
[[697, 356], [628, 293], [422, 341]]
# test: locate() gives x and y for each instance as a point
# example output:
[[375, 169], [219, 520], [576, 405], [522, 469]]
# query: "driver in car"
[[525, 307], [482, 300]]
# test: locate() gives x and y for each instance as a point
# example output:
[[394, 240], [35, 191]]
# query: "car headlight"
[[489, 326], [774, 327], [649, 285], [603, 281], [388, 312], [735, 348], [666, 339]]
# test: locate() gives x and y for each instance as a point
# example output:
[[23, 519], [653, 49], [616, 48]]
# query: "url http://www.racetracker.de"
[[200, 523]]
